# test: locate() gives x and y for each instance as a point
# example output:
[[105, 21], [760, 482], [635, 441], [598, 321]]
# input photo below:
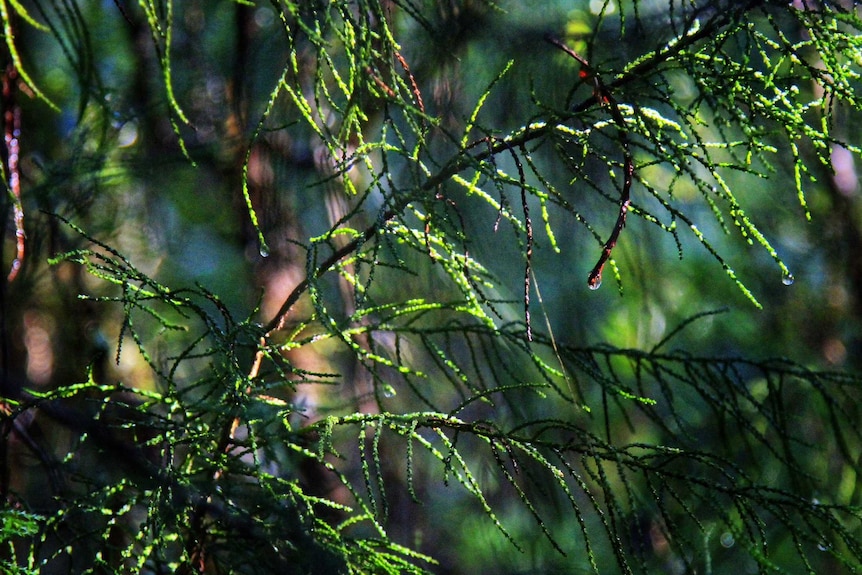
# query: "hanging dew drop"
[[389, 391], [788, 279], [264, 251], [727, 540], [595, 282]]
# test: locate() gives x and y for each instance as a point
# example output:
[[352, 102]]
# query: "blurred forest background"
[[143, 123]]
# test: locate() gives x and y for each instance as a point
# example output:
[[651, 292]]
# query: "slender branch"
[[594, 280], [603, 95], [528, 224], [278, 321]]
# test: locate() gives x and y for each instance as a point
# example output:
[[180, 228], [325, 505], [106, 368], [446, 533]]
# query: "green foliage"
[[289, 434], [17, 524]]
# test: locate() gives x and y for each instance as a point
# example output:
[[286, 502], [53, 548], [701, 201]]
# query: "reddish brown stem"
[[594, 280], [603, 96], [11, 134]]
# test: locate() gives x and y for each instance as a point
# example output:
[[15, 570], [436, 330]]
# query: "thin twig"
[[280, 318], [416, 93], [603, 96], [528, 224]]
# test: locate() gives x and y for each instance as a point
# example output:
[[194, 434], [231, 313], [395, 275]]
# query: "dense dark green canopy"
[[392, 286]]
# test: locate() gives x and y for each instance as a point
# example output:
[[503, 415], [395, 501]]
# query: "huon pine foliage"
[[273, 298]]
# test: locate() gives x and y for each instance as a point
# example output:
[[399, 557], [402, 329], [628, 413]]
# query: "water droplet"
[[127, 135], [264, 251], [788, 279], [727, 540], [595, 282], [389, 391]]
